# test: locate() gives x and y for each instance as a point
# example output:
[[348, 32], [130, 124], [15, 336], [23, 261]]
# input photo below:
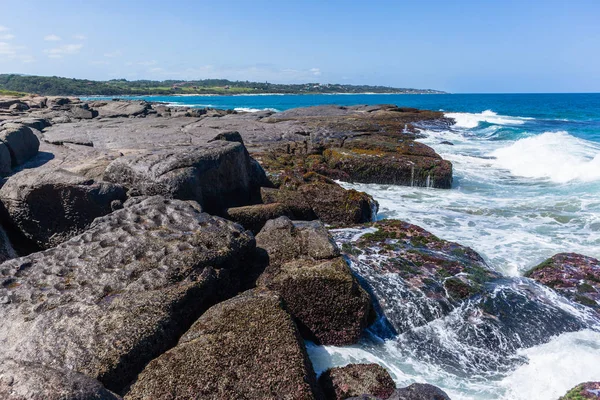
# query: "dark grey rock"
[[50, 206], [285, 240], [22, 143], [115, 109], [217, 175], [108, 301]]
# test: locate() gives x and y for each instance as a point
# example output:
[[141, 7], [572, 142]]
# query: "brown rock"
[[355, 380], [247, 347]]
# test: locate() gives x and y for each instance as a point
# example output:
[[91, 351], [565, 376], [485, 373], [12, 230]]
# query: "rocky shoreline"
[[161, 252]]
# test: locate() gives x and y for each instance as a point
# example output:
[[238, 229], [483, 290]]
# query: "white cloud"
[[3, 28], [67, 49], [116, 53], [99, 62], [147, 63], [79, 37], [12, 52], [257, 73], [8, 36], [52, 38]]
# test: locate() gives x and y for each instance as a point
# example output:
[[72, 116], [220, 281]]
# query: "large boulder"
[[319, 289], [108, 301], [247, 347], [325, 299], [21, 380], [355, 380], [114, 109], [285, 240], [573, 275], [311, 196], [218, 175], [255, 217], [21, 141], [50, 206], [584, 391], [391, 162], [436, 275]]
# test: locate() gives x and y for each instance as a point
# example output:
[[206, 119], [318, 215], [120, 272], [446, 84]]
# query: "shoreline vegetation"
[[58, 86]]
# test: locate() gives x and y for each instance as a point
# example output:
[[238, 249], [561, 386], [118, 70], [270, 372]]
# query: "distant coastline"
[[58, 86]]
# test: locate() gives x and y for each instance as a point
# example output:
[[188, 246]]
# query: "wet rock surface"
[[357, 379], [587, 390], [247, 347], [426, 288], [108, 301], [572, 275]]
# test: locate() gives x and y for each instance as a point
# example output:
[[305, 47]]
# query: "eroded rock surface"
[[21, 380], [108, 301], [218, 175]]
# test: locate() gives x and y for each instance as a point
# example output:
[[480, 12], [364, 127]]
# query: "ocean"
[[526, 186]]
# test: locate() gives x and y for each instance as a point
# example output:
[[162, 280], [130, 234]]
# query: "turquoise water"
[[526, 186]]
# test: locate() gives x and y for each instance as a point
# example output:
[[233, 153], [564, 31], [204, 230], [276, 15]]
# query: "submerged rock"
[[440, 301], [108, 301], [50, 206], [588, 390], [437, 275], [355, 380], [575, 276], [21, 380], [247, 347]]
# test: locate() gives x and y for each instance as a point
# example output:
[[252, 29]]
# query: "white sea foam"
[[472, 120], [557, 156], [249, 109], [555, 367]]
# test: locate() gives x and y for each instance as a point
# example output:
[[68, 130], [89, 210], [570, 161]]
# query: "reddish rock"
[[573, 275]]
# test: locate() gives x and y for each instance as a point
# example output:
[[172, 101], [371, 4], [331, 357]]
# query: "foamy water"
[[521, 194]]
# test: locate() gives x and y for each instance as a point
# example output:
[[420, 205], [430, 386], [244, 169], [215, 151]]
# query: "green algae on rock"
[[573, 275], [584, 391]]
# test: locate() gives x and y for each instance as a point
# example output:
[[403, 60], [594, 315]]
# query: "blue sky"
[[458, 46]]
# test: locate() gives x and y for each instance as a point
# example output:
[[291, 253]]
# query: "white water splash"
[[557, 156], [472, 120]]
